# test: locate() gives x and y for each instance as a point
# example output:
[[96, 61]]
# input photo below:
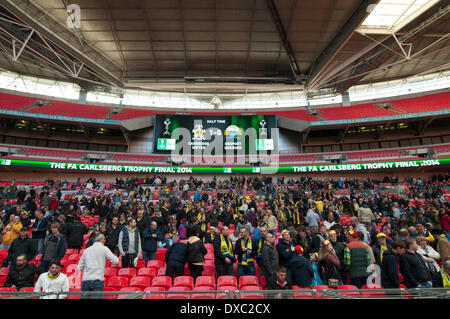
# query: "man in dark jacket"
[[413, 268], [301, 268], [22, 245], [141, 221], [75, 233], [269, 259], [389, 265], [286, 250], [54, 247], [380, 247], [304, 240], [280, 282], [223, 253], [245, 250], [22, 274], [176, 259], [39, 229], [112, 235], [150, 239]]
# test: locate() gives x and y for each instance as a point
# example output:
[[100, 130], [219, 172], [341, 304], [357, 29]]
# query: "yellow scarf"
[[131, 230], [245, 259], [383, 248], [202, 221], [445, 279], [226, 249], [53, 277]]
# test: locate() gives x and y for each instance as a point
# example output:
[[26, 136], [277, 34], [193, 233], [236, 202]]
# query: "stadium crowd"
[[304, 232]]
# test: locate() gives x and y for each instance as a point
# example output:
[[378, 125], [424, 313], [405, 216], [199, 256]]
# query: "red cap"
[[298, 250]]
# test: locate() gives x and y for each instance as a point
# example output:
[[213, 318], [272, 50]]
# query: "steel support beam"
[[326, 57]]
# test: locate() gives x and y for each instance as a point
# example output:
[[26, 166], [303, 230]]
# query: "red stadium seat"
[[162, 281], [252, 295], [74, 296], [248, 281], [160, 254], [208, 272], [154, 296], [140, 264], [27, 289], [202, 288], [226, 287], [3, 253], [184, 281], [71, 251], [371, 287], [178, 296], [74, 259], [202, 296], [109, 296], [5, 289], [70, 269], [128, 272], [155, 264], [118, 282], [123, 296], [148, 272], [161, 271], [140, 282], [304, 295], [4, 271], [347, 287], [205, 281], [227, 280], [251, 287], [111, 272], [341, 291]]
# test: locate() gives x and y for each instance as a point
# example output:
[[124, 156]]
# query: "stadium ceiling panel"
[[224, 46]]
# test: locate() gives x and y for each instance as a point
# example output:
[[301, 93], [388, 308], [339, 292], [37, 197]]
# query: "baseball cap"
[[298, 249], [353, 232], [381, 235], [325, 243]]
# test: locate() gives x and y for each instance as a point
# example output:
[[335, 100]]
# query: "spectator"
[[150, 240], [211, 235], [272, 222], [443, 246], [380, 247], [280, 282], [166, 242], [54, 247], [130, 246], [304, 239], [243, 223], [269, 259], [176, 259], [245, 250], [223, 253], [286, 250], [312, 218], [39, 230], [329, 262], [302, 269], [360, 228], [356, 259], [413, 268], [422, 231], [23, 245], [260, 242], [318, 237], [112, 235], [365, 215], [442, 278], [330, 222], [53, 281], [11, 231], [21, 274], [430, 256], [92, 264], [195, 252], [75, 233], [141, 221], [390, 264]]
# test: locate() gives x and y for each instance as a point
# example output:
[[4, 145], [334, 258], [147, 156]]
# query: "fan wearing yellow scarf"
[[246, 250]]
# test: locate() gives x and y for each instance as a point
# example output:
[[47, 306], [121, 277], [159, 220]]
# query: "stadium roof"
[[224, 46]]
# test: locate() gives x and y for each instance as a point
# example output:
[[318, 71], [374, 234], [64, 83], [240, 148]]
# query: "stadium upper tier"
[[24, 105], [48, 154]]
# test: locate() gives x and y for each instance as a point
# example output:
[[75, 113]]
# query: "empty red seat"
[[123, 296], [74, 296], [128, 272], [371, 287], [154, 295], [251, 287], [184, 281], [5, 289], [4, 271], [203, 296], [109, 296], [148, 272], [178, 296], [140, 281], [252, 295], [111, 272], [155, 264], [71, 269], [342, 288], [202, 288], [226, 287], [162, 281], [373, 294], [3, 253], [248, 281], [227, 281], [140, 264], [160, 254], [71, 251], [118, 282], [74, 259], [161, 271], [206, 281], [27, 289], [304, 295], [208, 272]]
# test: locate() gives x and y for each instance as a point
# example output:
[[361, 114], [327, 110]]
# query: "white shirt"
[[92, 262], [45, 284]]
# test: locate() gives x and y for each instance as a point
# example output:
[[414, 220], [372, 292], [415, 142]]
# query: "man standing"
[[286, 250], [129, 244], [365, 215], [302, 269], [360, 228], [11, 231], [356, 259], [23, 245], [390, 263], [39, 230], [246, 251], [150, 239], [413, 268], [112, 235], [21, 274], [75, 233], [92, 264], [312, 218], [54, 247], [223, 253], [380, 247], [269, 260], [53, 281]]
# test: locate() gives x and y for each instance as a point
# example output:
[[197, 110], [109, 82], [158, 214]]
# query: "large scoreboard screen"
[[214, 134]]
